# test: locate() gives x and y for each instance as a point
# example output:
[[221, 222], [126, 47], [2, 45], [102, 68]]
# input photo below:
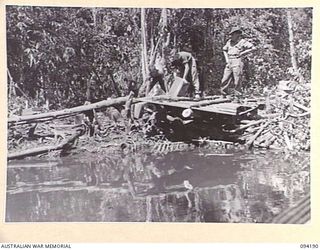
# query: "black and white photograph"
[[198, 115]]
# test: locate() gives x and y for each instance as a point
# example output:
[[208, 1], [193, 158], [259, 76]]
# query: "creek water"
[[192, 186]]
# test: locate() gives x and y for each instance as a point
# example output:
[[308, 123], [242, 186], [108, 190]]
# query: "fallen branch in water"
[[65, 144]]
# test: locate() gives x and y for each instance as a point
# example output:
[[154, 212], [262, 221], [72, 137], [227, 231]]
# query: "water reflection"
[[194, 186]]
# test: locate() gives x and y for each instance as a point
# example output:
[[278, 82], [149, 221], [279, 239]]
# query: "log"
[[246, 126], [45, 149], [245, 121], [253, 138], [66, 112], [298, 105], [268, 142], [248, 110], [299, 115], [270, 116], [263, 138]]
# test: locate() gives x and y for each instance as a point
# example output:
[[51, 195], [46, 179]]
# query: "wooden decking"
[[211, 104]]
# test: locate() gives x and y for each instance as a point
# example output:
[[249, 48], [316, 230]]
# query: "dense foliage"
[[55, 55]]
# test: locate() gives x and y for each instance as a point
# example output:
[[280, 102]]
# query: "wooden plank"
[[225, 108], [171, 104], [189, 104], [216, 105], [177, 99]]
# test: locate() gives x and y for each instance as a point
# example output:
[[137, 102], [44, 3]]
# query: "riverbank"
[[282, 124]]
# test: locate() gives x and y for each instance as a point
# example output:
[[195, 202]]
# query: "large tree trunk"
[[66, 112], [292, 48], [144, 57]]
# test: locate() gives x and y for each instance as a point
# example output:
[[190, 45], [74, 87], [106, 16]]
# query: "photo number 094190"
[[311, 246]]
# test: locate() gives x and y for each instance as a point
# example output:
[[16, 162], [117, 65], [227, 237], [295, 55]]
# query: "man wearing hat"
[[234, 50], [187, 66]]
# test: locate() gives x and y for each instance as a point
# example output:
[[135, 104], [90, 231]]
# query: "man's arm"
[[247, 51], [225, 52], [226, 57], [248, 48]]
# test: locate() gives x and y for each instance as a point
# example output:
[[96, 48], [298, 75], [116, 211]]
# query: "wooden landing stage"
[[206, 108], [186, 118]]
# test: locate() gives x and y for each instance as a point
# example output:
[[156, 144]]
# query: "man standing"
[[187, 67], [234, 50]]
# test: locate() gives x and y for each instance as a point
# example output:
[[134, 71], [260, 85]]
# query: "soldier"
[[187, 67], [156, 74], [234, 50]]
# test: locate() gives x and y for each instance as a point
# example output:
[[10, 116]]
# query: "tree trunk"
[[12, 89], [144, 46], [66, 112], [166, 33], [144, 57], [292, 49], [94, 15], [115, 85]]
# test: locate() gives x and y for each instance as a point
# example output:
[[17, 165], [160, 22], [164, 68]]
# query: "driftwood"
[[246, 126], [268, 142], [270, 116], [65, 144], [298, 105], [66, 112], [255, 136], [299, 115]]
